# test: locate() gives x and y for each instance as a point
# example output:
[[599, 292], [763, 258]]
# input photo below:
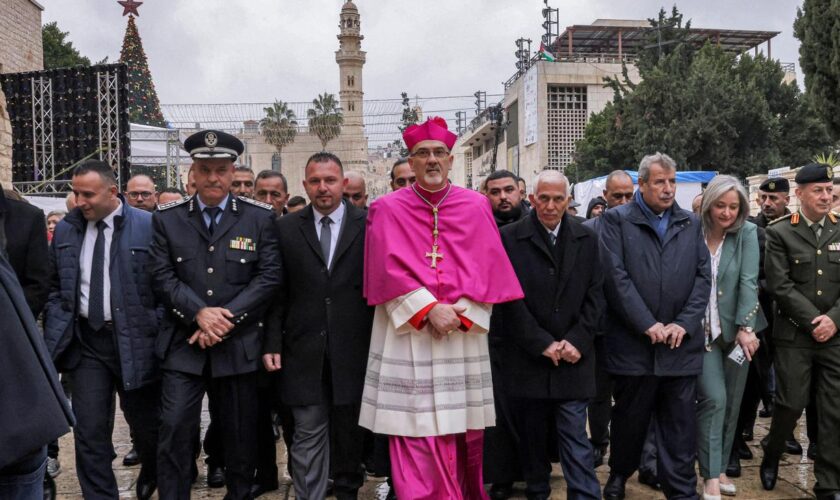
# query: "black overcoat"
[[33, 408], [563, 301], [26, 248], [320, 317]]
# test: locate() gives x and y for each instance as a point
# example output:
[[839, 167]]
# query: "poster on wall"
[[531, 116]]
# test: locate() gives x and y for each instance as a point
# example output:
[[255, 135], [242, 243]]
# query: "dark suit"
[[236, 268], [321, 325], [563, 301], [23, 235]]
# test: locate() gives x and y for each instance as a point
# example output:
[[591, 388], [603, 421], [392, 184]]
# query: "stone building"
[[21, 49], [351, 145], [548, 103]]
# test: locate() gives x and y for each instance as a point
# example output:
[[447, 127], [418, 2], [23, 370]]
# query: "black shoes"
[[768, 473], [614, 489], [748, 435], [146, 484], [649, 479], [499, 491], [792, 447], [131, 458], [812, 451], [598, 453], [215, 476], [734, 467], [261, 489]]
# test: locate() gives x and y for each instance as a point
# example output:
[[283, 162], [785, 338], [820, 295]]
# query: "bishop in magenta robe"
[[434, 267]]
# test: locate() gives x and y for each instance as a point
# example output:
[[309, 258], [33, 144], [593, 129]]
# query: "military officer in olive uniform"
[[215, 265], [802, 265]]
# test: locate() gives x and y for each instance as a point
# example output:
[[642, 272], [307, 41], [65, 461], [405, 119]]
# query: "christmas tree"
[[143, 104]]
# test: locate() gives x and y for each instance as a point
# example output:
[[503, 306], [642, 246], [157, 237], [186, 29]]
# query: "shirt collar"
[[555, 231], [109, 219], [336, 216], [202, 205], [810, 222]]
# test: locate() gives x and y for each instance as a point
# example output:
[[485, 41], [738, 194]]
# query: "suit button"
[[179, 259], [323, 333], [327, 300], [209, 293], [819, 252], [796, 261], [209, 270], [819, 271], [819, 292], [242, 261], [211, 248], [720, 293], [557, 309]]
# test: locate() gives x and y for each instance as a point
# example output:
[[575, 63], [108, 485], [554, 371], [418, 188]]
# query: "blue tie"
[[213, 212], [96, 300]]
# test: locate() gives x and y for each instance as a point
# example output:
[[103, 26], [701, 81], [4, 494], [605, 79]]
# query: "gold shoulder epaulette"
[[832, 216], [793, 220], [167, 206], [256, 203]]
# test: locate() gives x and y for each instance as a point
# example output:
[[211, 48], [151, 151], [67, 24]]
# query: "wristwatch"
[[747, 329]]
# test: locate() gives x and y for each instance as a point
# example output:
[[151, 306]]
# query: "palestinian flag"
[[545, 54]]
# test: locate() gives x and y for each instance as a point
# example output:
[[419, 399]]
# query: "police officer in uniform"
[[215, 265], [803, 274]]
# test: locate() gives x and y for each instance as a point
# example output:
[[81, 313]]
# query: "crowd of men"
[[441, 337]]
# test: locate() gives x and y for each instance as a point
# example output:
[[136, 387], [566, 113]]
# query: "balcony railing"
[[578, 57]]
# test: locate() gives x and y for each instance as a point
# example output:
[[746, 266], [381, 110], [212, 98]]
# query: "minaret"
[[351, 58]]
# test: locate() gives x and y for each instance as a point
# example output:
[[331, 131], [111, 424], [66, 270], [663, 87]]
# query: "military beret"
[[775, 185], [814, 172], [213, 144]]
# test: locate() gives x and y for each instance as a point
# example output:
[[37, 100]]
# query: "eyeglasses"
[[425, 153], [133, 195], [237, 184]]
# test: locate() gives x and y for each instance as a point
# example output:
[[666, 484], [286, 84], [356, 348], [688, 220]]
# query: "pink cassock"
[[438, 468], [399, 234]]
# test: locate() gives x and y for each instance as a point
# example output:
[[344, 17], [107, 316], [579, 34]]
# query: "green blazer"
[[737, 283]]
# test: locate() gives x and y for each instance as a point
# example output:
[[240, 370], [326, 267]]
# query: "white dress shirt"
[[337, 216], [86, 264]]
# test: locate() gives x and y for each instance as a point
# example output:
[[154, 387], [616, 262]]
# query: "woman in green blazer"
[[732, 317]]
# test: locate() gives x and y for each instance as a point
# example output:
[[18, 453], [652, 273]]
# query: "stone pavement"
[[796, 474]]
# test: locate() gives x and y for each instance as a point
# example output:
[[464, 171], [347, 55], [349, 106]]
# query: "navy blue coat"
[[648, 280], [133, 307]]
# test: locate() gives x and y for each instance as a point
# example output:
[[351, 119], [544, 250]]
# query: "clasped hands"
[[671, 334], [562, 351], [825, 328], [443, 319], [213, 325]]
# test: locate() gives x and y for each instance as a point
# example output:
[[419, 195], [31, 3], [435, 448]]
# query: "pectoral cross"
[[435, 256]]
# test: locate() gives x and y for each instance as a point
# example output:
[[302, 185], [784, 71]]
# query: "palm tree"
[[279, 127], [325, 118]]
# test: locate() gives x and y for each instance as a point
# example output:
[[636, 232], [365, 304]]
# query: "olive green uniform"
[[803, 275]]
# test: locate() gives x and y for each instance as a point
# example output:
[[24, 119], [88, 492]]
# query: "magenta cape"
[[474, 264]]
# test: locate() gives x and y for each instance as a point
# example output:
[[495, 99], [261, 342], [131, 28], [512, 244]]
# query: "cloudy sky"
[[253, 51]]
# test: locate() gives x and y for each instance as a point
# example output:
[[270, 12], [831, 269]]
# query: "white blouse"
[[712, 321]]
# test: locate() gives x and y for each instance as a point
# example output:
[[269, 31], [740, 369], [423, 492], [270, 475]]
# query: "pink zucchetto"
[[433, 129]]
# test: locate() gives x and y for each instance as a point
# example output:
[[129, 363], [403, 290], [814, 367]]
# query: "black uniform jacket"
[[236, 268], [321, 318], [563, 301]]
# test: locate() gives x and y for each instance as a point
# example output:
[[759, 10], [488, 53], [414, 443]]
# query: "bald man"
[[140, 192], [355, 190]]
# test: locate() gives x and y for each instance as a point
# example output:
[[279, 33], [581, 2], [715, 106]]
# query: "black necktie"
[[326, 239], [96, 299], [212, 212]]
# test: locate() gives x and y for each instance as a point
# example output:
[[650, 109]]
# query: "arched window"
[[351, 106], [275, 162]]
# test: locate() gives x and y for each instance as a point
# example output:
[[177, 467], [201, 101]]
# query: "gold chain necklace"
[[434, 254]]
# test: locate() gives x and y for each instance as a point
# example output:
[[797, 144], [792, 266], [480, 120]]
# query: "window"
[[275, 162], [468, 172], [567, 114]]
